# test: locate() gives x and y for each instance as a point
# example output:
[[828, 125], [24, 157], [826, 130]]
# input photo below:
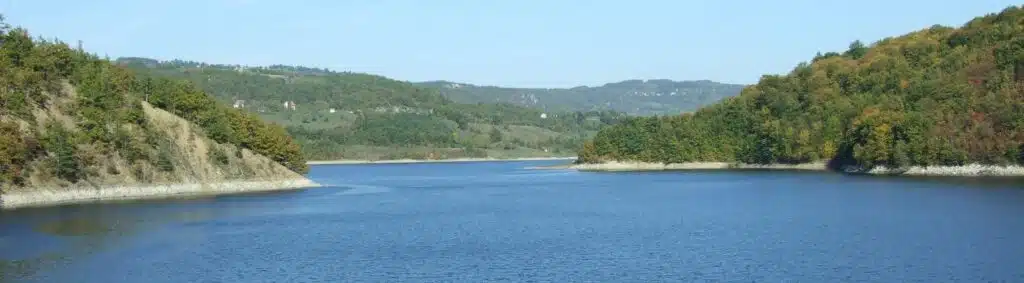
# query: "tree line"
[[372, 110], [938, 96], [635, 97]]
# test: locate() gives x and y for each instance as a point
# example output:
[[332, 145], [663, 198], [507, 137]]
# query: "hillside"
[[75, 127], [343, 115], [635, 97], [940, 96]]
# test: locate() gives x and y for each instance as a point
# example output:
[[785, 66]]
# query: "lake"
[[497, 221]]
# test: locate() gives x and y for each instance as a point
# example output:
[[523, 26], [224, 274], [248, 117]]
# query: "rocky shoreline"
[[403, 161], [969, 170], [650, 166], [38, 197]]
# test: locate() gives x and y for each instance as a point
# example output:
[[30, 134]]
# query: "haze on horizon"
[[527, 43]]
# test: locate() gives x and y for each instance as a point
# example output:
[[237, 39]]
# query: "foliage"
[[163, 158], [105, 107], [368, 110], [495, 135], [218, 156], [637, 97], [13, 153], [939, 96], [61, 143]]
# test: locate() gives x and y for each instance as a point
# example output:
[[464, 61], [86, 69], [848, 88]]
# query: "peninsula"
[[76, 128], [938, 101]]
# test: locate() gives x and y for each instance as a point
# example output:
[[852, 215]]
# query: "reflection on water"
[[75, 227], [33, 239], [30, 237], [10, 270]]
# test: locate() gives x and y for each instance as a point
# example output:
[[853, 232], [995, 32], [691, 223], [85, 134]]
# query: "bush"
[[61, 143], [13, 154], [495, 135], [127, 146], [217, 156], [163, 158]]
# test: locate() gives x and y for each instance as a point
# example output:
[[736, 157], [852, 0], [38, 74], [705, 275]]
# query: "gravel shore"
[[34, 197], [649, 166], [965, 170], [402, 161]]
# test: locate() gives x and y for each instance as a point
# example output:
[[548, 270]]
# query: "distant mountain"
[[345, 115], [637, 97]]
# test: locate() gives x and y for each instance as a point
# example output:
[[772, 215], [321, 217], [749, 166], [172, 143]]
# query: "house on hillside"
[[239, 104], [289, 105]]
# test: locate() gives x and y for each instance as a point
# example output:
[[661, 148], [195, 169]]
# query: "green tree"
[[61, 143], [939, 96], [856, 50], [13, 154], [495, 135]]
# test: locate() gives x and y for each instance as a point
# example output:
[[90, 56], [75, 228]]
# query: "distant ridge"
[[636, 97], [358, 116]]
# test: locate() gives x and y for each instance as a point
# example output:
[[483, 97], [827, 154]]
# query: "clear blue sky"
[[529, 43]]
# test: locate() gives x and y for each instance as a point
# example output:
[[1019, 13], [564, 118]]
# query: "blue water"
[[496, 221]]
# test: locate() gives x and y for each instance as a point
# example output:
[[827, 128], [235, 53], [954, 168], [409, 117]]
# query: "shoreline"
[[453, 160], [969, 170], [651, 166], [46, 197]]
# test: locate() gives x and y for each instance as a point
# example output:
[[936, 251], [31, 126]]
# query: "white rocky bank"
[[969, 170], [58, 196], [965, 170], [649, 166]]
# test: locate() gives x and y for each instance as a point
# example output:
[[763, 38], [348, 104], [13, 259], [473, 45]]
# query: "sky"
[[515, 43]]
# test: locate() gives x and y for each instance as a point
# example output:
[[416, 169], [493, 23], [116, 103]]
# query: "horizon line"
[[431, 80]]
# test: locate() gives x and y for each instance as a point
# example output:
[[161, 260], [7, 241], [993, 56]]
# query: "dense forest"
[[938, 96], [635, 97], [344, 115], [64, 112]]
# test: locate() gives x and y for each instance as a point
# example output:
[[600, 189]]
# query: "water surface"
[[495, 221]]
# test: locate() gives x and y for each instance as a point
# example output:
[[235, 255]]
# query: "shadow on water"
[[35, 233], [75, 227], [11, 270], [983, 182], [34, 238]]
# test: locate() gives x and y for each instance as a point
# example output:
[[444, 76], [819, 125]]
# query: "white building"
[[289, 105], [543, 115]]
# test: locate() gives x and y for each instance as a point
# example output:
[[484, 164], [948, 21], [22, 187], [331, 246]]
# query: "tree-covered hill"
[[938, 96], [636, 97], [337, 115], [68, 117]]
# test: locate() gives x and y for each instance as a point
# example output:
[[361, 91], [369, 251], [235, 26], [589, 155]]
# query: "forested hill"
[[68, 117], [938, 96], [636, 97], [344, 115]]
